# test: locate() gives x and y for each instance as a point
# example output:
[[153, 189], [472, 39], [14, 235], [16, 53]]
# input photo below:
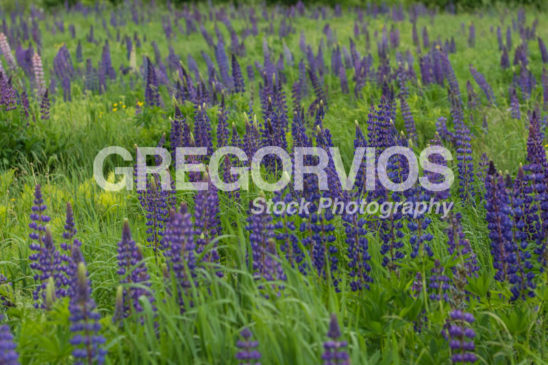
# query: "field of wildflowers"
[[158, 276]]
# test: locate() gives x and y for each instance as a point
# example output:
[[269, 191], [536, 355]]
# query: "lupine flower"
[[248, 353], [84, 320], [408, 119], [49, 265], [358, 254], [6, 51], [514, 104], [152, 96], [482, 83], [460, 337], [44, 106], [132, 270], [465, 163], [206, 213], [459, 246], [418, 223], [543, 52], [334, 350], [180, 252], [472, 36], [7, 94], [8, 355], [545, 87], [222, 61], [264, 257], [522, 275], [439, 284], [504, 59], [38, 73], [239, 85], [499, 223]]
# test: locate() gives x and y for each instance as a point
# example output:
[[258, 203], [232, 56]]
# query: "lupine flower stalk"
[[8, 354], [248, 353], [6, 51], [132, 270], [461, 337], [334, 349], [84, 318]]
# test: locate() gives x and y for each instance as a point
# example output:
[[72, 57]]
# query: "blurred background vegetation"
[[454, 5]]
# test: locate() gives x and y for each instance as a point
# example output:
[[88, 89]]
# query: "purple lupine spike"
[[69, 241], [37, 226], [504, 59], [408, 119], [499, 223], [544, 79], [459, 246], [62, 64], [152, 96], [180, 252], [222, 61], [543, 52], [425, 38], [154, 200], [358, 246], [8, 353], [24, 102], [264, 258], [344, 80], [248, 353], [239, 85], [514, 104], [472, 96], [223, 134], [334, 350], [44, 106], [24, 59], [318, 90], [7, 94], [84, 318], [132, 270], [202, 128], [482, 83], [439, 284], [472, 36], [460, 336], [206, 213], [49, 264], [464, 162], [522, 275], [499, 39], [418, 223]]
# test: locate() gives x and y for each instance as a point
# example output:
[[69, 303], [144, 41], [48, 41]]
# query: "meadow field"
[[157, 275]]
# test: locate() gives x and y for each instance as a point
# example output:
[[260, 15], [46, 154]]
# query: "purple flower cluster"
[[461, 337], [248, 353], [132, 271], [8, 354], [334, 350], [86, 340]]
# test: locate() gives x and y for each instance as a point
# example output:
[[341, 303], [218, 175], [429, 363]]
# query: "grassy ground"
[[379, 324]]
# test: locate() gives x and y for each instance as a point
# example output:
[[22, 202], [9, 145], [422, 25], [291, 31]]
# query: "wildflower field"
[[157, 275]]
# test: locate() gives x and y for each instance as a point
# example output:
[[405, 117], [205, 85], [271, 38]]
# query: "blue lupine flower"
[[8, 354], [84, 318], [334, 350], [248, 353]]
